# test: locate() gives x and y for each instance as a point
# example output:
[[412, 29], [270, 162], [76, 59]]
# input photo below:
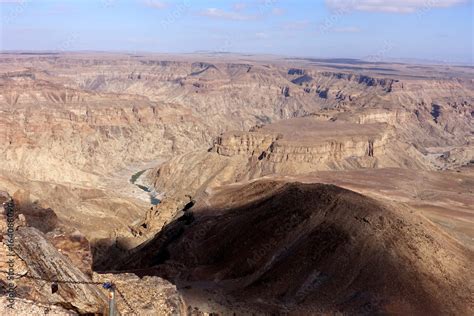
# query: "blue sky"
[[376, 29]]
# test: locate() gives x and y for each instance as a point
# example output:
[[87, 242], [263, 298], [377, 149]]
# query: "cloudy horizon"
[[433, 30]]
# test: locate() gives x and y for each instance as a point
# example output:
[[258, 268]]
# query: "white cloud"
[[261, 35], [221, 14], [155, 4], [20, 2], [348, 29], [391, 6]]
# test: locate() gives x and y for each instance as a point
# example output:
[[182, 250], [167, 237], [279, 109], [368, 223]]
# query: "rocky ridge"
[[309, 248], [38, 264], [290, 147]]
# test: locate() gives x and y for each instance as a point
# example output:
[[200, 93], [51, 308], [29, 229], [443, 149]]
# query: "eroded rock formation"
[[78, 130]]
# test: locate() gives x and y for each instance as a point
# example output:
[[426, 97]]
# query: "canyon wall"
[[83, 117], [290, 147]]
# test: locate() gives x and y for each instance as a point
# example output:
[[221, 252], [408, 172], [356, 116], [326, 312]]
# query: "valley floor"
[[121, 181]]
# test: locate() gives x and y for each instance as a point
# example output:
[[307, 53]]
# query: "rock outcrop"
[[290, 147], [148, 295], [46, 262], [310, 248], [32, 263], [27, 307], [90, 116], [46, 280]]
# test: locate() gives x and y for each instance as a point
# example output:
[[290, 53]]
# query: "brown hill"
[[297, 247]]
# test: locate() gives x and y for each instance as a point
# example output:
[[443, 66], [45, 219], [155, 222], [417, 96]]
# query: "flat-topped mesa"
[[315, 142], [289, 147], [243, 143], [320, 145], [368, 81]]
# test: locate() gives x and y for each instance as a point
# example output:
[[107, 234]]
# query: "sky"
[[377, 30]]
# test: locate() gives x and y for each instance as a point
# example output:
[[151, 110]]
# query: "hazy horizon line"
[[367, 59]]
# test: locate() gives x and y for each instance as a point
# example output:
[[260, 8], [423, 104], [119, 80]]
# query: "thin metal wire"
[[127, 303], [51, 280]]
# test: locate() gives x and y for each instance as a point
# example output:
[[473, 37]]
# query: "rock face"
[[289, 147], [76, 128], [81, 137], [44, 261], [91, 115], [231, 144], [311, 248], [38, 263], [26, 307], [35, 262], [48, 205], [147, 296], [6, 206], [71, 119]]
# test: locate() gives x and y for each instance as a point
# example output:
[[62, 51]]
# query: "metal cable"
[[127, 303], [51, 280]]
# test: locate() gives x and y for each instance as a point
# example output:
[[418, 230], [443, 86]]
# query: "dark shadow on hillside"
[[304, 247]]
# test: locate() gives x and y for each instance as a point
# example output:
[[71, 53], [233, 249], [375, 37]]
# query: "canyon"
[[348, 189]]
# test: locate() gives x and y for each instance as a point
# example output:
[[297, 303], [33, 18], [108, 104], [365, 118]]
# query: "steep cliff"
[[48, 274], [289, 147], [91, 115], [82, 138]]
